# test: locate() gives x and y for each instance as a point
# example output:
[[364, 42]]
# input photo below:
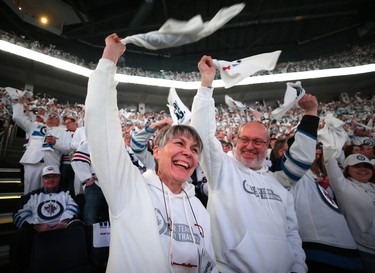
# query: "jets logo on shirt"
[[327, 198], [49, 209]]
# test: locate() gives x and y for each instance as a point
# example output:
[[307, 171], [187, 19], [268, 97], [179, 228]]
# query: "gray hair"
[[254, 121], [170, 132]]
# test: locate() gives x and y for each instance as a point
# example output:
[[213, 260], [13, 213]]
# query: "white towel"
[[237, 105], [294, 92], [16, 93], [234, 72], [176, 33], [179, 112], [333, 136]]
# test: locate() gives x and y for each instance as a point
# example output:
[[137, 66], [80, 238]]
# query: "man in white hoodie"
[[254, 223]]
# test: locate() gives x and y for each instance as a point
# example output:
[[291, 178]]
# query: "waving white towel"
[[294, 92], [176, 33], [333, 136], [234, 72], [179, 112], [237, 105], [16, 93]]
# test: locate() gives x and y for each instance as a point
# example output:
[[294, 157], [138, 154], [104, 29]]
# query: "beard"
[[255, 163]]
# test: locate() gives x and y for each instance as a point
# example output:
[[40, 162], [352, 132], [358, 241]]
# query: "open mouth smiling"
[[182, 164]]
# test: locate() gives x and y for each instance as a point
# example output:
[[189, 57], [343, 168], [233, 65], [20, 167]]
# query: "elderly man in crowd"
[[254, 224], [47, 208]]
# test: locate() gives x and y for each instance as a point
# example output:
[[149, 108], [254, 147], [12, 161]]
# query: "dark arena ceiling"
[[302, 29]]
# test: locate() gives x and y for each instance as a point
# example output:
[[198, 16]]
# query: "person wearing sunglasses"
[[157, 224], [254, 224]]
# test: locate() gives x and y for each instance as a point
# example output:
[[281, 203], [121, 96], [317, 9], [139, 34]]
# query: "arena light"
[[312, 74], [73, 68], [42, 58]]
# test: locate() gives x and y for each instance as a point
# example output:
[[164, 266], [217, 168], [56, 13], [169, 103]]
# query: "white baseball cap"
[[355, 159], [51, 169]]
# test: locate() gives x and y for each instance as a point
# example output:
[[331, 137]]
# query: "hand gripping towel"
[[333, 136]]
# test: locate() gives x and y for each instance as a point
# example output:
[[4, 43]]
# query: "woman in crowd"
[[355, 192], [326, 238], [157, 224]]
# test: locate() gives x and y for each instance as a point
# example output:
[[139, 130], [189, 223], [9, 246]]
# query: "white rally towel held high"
[[333, 135], [16, 93], [237, 105], [234, 72], [176, 33], [294, 92], [179, 112]]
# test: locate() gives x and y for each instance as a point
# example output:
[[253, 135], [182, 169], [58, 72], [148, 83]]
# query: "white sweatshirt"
[[37, 149], [254, 224], [319, 218], [140, 237], [356, 200]]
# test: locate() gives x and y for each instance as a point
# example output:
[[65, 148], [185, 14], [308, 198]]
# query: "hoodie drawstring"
[[268, 200]]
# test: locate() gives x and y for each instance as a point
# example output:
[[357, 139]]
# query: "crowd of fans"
[[358, 55], [46, 120], [358, 112]]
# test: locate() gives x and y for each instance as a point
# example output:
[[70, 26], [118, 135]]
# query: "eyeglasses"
[[257, 142]]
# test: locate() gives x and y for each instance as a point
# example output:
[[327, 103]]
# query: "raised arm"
[[204, 121], [109, 156], [139, 141], [113, 48], [19, 116], [301, 152]]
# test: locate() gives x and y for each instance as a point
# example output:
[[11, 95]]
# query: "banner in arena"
[[176, 33]]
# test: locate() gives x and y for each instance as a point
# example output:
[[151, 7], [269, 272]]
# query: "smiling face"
[[176, 157], [252, 144], [361, 172]]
